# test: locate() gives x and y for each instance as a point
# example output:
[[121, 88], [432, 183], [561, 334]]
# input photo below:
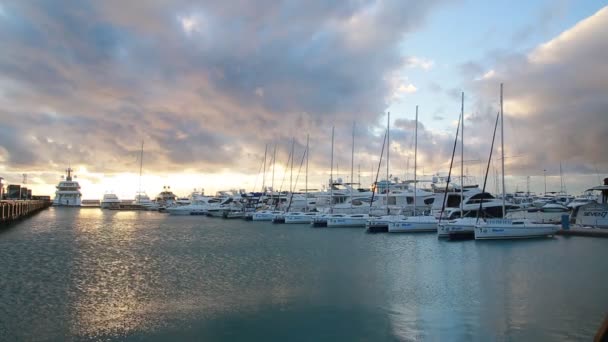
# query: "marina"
[[303, 171]]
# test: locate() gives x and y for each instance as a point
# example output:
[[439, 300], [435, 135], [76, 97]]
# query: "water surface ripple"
[[87, 274]]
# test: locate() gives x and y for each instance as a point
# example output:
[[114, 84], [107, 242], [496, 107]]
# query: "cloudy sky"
[[208, 85]]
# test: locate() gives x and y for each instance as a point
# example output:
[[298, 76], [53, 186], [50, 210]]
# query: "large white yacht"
[[166, 198], [142, 200], [594, 214], [109, 200], [68, 191]]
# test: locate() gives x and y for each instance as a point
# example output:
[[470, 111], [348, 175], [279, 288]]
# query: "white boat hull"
[[593, 215], [458, 226], [300, 218], [185, 211], [347, 221], [414, 224], [504, 229], [264, 215], [215, 213]]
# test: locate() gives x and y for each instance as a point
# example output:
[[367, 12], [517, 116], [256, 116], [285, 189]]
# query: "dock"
[[14, 210], [584, 231]]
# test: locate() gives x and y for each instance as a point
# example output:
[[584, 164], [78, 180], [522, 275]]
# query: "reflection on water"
[[70, 273]]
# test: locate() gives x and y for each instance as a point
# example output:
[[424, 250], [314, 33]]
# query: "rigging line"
[[258, 176], [488, 168], [297, 177], [283, 181], [447, 184], [378, 173]]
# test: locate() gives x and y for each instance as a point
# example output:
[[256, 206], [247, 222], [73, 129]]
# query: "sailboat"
[[462, 227], [414, 224], [320, 220], [302, 217], [493, 229], [353, 217], [141, 198]]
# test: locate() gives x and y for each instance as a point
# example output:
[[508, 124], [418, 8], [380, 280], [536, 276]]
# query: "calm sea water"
[[69, 274]]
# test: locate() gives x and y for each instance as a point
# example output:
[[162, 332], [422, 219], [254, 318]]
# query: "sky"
[[209, 86]]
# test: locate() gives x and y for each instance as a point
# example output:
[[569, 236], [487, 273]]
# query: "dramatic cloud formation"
[[556, 109], [208, 85]]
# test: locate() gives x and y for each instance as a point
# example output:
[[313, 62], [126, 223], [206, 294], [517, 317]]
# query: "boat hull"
[[299, 219], [347, 222], [413, 225], [503, 231]]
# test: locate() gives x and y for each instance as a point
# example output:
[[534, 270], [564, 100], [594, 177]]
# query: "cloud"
[[555, 103], [417, 62], [205, 85]]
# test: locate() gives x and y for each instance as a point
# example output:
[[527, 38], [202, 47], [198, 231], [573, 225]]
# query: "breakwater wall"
[[11, 211]]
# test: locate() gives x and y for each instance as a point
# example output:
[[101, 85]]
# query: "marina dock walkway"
[[13, 210]]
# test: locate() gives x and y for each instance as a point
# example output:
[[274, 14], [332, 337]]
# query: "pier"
[[13, 210], [578, 231]]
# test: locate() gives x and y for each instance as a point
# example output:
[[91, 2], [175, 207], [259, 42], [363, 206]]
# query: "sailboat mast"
[[502, 149], [331, 174], [141, 164], [352, 165], [274, 161], [415, 157], [291, 186], [388, 148], [264, 173], [561, 178], [306, 182], [462, 156]]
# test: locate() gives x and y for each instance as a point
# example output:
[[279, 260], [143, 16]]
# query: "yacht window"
[[483, 195], [553, 210]]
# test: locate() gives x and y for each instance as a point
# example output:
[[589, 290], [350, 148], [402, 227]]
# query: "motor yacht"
[[68, 191], [109, 200]]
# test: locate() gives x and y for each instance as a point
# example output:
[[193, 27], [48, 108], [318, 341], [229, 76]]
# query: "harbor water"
[[88, 274]]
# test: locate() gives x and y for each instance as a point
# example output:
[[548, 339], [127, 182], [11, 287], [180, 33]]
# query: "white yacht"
[[166, 198], [68, 191], [548, 213], [198, 206], [142, 200], [594, 214], [472, 197], [109, 200]]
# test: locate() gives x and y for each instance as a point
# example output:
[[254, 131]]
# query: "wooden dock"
[[11, 211]]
